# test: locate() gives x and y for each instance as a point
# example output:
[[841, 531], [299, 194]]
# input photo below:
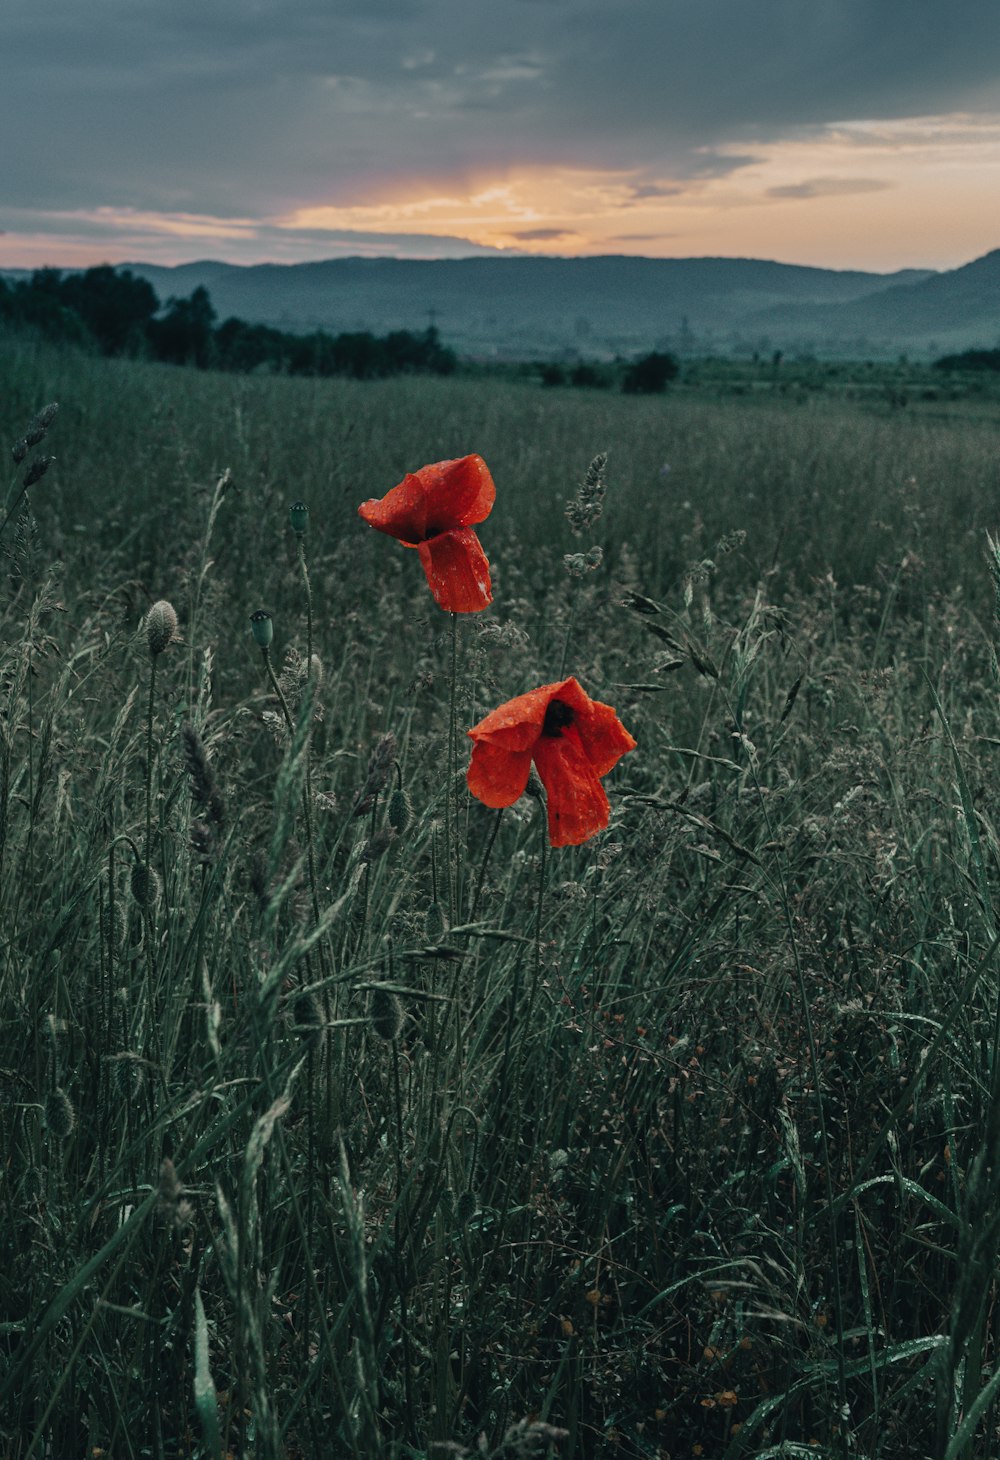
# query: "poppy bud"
[[307, 1018], [466, 1207], [400, 812], [19, 450], [387, 1015], [145, 884], [534, 787], [161, 627], [298, 518], [378, 845], [263, 628]]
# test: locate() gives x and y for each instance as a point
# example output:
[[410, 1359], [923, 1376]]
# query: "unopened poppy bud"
[[378, 845], [434, 923], [534, 787], [145, 884], [400, 812], [387, 1015], [298, 518], [19, 450], [169, 1190], [307, 1017], [161, 627], [263, 628], [37, 470], [466, 1207]]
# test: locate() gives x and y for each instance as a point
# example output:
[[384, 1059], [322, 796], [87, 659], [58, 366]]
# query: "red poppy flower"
[[572, 740], [434, 511]]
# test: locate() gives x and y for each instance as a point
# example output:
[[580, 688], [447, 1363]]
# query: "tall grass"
[[687, 1147]]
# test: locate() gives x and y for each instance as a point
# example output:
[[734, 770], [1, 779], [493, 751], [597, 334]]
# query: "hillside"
[[956, 309], [599, 308], [527, 306]]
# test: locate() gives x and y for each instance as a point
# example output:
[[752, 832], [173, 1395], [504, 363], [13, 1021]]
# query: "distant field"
[[682, 1142]]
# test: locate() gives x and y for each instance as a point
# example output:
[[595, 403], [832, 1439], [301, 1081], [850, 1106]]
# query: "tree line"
[[118, 313]]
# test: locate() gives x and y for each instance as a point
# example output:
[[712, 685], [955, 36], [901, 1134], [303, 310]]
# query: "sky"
[[840, 133]]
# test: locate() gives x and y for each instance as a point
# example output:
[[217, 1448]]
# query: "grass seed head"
[[60, 1117], [434, 923], [37, 470], [128, 1075], [204, 786], [36, 431], [377, 774]]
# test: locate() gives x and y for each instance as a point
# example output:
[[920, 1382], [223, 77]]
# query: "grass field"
[[401, 1134]]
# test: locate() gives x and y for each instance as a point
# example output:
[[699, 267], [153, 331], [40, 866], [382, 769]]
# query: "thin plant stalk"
[[450, 810]]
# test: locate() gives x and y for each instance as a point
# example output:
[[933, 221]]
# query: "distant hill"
[[958, 309], [513, 308], [518, 308]]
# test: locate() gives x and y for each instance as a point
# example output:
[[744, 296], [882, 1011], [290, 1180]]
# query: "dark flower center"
[[557, 717]]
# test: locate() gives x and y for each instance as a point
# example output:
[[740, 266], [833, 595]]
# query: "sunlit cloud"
[[863, 194]]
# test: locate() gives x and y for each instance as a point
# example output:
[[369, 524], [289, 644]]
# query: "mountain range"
[[598, 308]]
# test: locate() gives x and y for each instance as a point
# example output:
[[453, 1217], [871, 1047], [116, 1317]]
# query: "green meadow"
[[343, 1116]]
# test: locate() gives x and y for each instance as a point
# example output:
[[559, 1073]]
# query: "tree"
[[184, 333], [650, 375], [116, 307]]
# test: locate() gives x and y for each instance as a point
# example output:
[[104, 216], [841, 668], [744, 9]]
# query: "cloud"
[[314, 115], [829, 187], [542, 235], [257, 108], [73, 238]]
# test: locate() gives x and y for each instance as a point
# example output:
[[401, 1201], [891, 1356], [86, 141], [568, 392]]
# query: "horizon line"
[[499, 255]]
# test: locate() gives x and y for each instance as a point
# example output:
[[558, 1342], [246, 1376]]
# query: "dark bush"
[[650, 375]]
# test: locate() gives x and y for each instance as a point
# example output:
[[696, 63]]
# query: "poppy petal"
[[402, 513], [517, 724], [577, 805], [497, 777], [602, 735], [459, 493], [457, 570]]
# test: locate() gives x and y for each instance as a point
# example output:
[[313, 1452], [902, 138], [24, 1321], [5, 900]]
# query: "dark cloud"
[[540, 235], [829, 187], [254, 107]]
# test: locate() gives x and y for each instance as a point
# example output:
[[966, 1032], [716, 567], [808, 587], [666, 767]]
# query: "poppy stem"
[[536, 974], [482, 869], [450, 800], [309, 604]]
